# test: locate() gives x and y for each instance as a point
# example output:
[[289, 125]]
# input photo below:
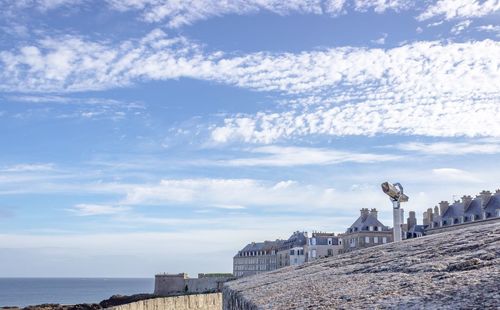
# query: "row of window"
[[366, 228], [297, 252], [352, 241], [253, 267], [255, 260]]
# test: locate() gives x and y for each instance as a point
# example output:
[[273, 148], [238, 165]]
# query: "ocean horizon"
[[22, 292]]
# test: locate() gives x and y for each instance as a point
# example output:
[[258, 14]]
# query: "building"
[[256, 257], [321, 244], [172, 284], [365, 232], [292, 251], [483, 208], [412, 229]]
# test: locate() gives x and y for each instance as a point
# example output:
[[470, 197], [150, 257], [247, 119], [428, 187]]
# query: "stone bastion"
[[458, 269]]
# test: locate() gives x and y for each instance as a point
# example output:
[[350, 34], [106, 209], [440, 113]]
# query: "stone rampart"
[[458, 269], [187, 302]]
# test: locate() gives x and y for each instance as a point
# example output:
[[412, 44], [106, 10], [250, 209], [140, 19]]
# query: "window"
[[313, 241], [375, 239], [313, 253], [384, 239], [330, 241], [367, 239], [330, 252], [292, 252]]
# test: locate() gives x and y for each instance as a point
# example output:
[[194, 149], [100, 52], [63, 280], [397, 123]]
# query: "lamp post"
[[397, 196]]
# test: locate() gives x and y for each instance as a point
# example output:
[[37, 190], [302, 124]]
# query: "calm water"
[[32, 291]]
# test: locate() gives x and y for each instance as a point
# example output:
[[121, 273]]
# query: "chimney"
[[466, 200], [485, 197], [412, 220], [429, 215], [436, 211], [497, 192], [364, 212], [425, 220], [374, 212], [443, 206]]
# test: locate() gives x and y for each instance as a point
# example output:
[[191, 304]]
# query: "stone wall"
[[459, 269], [187, 302], [167, 284]]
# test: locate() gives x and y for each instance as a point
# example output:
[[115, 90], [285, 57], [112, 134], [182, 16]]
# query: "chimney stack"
[[374, 212], [364, 212], [443, 206], [436, 211], [485, 197], [425, 220], [412, 220], [497, 191], [466, 200], [430, 216]]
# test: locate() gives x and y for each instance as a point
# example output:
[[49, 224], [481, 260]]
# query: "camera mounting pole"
[[396, 195]]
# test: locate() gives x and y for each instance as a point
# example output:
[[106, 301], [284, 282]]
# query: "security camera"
[[394, 191]]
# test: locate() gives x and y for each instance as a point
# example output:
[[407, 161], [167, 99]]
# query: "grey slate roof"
[[365, 221], [417, 229], [454, 211], [297, 239], [322, 239], [474, 208], [493, 204], [262, 246]]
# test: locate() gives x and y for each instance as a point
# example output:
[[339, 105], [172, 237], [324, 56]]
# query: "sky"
[[147, 136]]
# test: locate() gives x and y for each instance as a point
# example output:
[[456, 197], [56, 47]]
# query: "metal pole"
[[397, 221]]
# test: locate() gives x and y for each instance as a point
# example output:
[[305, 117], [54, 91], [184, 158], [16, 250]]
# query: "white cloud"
[[451, 148], [455, 175], [425, 116], [250, 193], [381, 40], [96, 209], [180, 13], [490, 28], [381, 6], [294, 156], [451, 9], [461, 26], [28, 167], [357, 91]]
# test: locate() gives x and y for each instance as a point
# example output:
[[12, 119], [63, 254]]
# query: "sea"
[[23, 292]]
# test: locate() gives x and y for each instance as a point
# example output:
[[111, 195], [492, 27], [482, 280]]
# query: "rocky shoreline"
[[115, 300]]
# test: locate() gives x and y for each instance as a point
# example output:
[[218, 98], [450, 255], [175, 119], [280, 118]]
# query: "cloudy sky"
[[145, 136]]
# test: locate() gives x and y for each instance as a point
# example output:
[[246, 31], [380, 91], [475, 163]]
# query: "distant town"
[[366, 231]]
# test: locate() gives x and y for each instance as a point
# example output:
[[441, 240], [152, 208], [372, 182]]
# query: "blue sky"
[[146, 136]]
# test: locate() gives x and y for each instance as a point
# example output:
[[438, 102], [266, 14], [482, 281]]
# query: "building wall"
[[188, 302], [169, 283], [358, 240], [321, 251], [172, 284], [250, 265]]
